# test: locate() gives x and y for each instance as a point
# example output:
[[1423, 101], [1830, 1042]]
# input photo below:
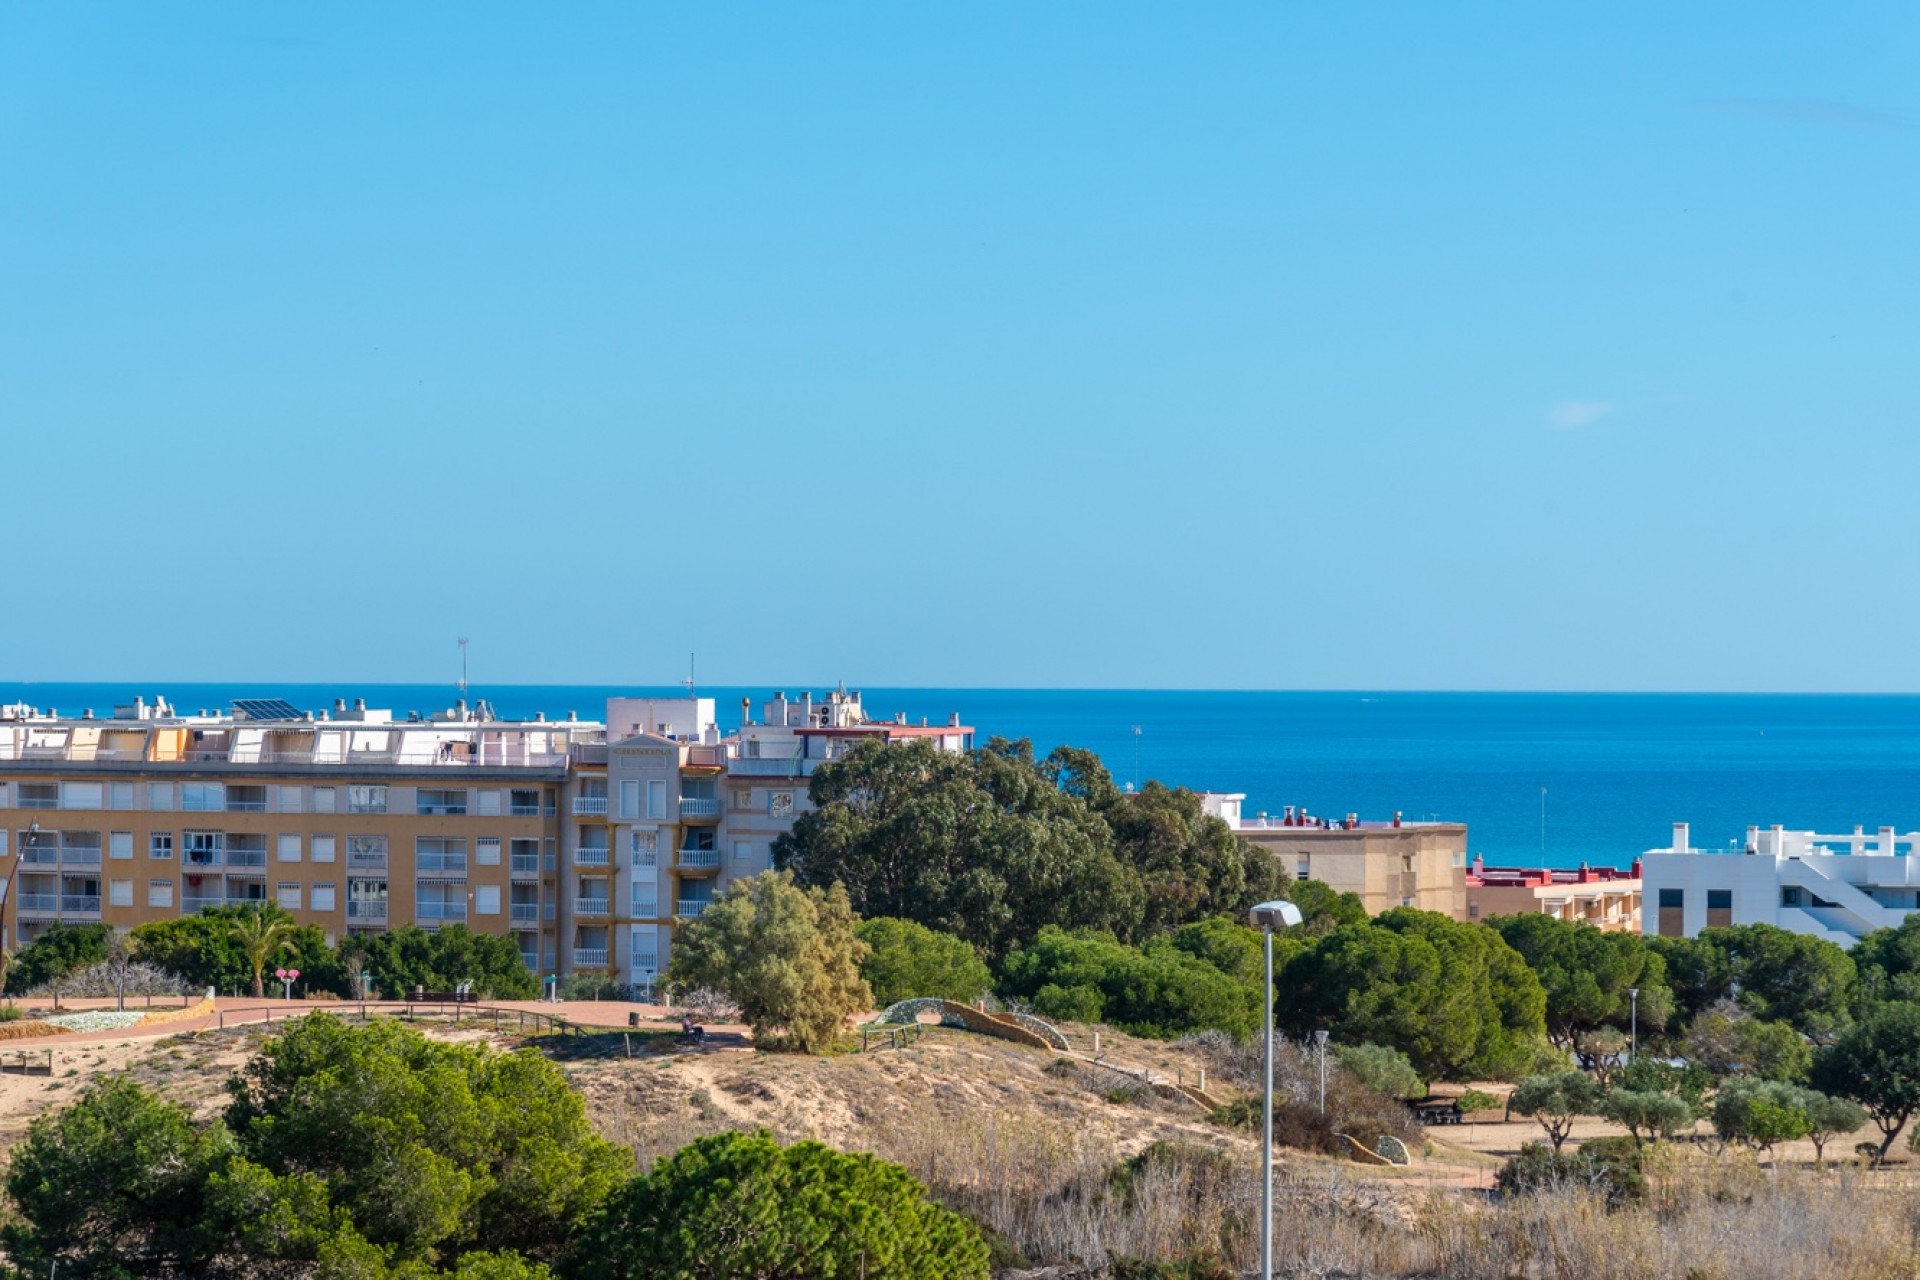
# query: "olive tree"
[[1556, 1101]]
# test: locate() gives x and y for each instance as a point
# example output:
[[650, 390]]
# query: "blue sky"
[[1263, 346]]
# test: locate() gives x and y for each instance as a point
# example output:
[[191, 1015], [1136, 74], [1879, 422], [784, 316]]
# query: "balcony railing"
[[590, 957], [526, 912], [647, 909], [531, 959], [200, 902], [590, 806], [699, 807], [366, 910], [201, 858], [48, 902], [643, 962], [79, 857], [691, 908], [441, 863], [646, 858], [366, 861], [700, 859], [80, 904], [440, 910], [526, 864], [523, 810], [592, 857], [590, 906], [40, 856], [246, 806], [246, 857]]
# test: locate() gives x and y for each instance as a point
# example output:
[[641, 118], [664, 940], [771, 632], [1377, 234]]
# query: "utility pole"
[[463, 666], [1543, 826], [1136, 757]]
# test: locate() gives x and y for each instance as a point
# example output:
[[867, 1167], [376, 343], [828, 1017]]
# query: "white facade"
[[1837, 887]]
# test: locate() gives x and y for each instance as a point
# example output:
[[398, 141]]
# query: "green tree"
[[433, 1149], [906, 959], [1647, 1115], [1727, 1041], [202, 951], [1322, 910], [1453, 997], [1774, 974], [787, 956], [1384, 1070], [1556, 1101], [1888, 963], [1828, 1118], [261, 938], [1160, 990], [55, 953], [1759, 1113], [736, 1204], [1234, 948], [1877, 1064], [408, 957], [1586, 975]]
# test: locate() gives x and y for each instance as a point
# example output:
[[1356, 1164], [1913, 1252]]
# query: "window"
[[439, 853], [1720, 908], [120, 795], [743, 797], [366, 799], [486, 900], [656, 799], [81, 795], [286, 799], [287, 894], [629, 798], [368, 852], [323, 799], [160, 893], [1670, 898], [428, 800], [486, 851], [246, 799], [39, 795], [1790, 896], [524, 803], [202, 797], [204, 848], [743, 852], [1473, 911], [644, 845], [160, 845], [699, 839], [119, 893], [120, 845], [435, 901], [1717, 899], [160, 796], [322, 849], [489, 802], [289, 846], [322, 897]]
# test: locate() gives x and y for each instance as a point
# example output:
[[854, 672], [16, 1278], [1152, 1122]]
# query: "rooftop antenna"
[[1136, 757], [463, 666], [689, 680]]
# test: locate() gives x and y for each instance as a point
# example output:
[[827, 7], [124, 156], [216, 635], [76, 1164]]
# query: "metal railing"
[[691, 908], [39, 902], [83, 903], [366, 861], [366, 910], [523, 810], [442, 863], [590, 957], [440, 910], [191, 902], [591, 906], [594, 857], [202, 858], [590, 806], [525, 912], [646, 910], [525, 864], [246, 857], [40, 856], [79, 857], [700, 859], [699, 807]]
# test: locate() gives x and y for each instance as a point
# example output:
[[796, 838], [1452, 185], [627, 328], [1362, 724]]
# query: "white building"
[[1837, 887]]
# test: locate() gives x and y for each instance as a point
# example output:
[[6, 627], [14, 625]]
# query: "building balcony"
[[700, 809], [699, 860], [79, 904], [191, 902], [589, 806], [525, 866], [367, 911], [589, 957], [203, 859], [523, 810], [441, 864], [643, 962], [79, 857], [691, 908], [591, 906], [525, 912], [39, 856], [39, 903], [366, 862], [647, 909], [439, 911], [594, 857], [246, 857]]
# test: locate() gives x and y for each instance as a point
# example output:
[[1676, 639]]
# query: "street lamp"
[[1633, 1045], [1265, 917], [1320, 1039], [286, 977]]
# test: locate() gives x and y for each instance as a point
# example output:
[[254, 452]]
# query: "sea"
[[1552, 779]]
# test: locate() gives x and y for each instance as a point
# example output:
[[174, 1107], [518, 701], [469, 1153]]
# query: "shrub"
[[1384, 1070], [1611, 1165], [1295, 1124], [1475, 1100], [1556, 1101], [906, 959], [741, 1204], [59, 951], [1160, 990]]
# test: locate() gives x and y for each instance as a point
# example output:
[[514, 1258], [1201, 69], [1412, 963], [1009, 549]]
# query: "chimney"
[[953, 720], [539, 717], [359, 704], [746, 712], [1396, 817], [1680, 837], [1885, 845]]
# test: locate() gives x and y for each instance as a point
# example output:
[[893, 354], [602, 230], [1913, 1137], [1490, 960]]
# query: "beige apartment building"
[[1388, 864], [1605, 897], [352, 820]]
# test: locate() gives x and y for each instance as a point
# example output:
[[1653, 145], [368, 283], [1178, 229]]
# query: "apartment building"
[[669, 810], [1837, 887], [1608, 898], [352, 819], [1388, 864]]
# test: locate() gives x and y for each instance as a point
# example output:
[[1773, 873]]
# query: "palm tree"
[[261, 937]]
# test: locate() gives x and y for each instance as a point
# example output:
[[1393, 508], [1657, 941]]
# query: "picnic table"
[[1436, 1110]]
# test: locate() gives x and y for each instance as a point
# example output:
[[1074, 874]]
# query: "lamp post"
[[1320, 1040], [286, 977], [1264, 917], [1633, 1044], [30, 838]]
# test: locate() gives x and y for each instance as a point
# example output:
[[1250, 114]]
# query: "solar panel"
[[267, 709]]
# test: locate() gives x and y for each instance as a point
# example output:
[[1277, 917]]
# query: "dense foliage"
[[57, 952], [906, 959], [402, 959], [1556, 1100], [1876, 1064], [1159, 990], [203, 950], [787, 956], [362, 1151], [1588, 975], [737, 1204], [1773, 974], [994, 845]]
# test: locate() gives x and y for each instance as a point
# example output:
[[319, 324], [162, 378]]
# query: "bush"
[[1295, 1124], [907, 959], [741, 1204], [410, 957], [1612, 1165], [1385, 1071], [1475, 1100], [59, 951], [201, 950], [1160, 990]]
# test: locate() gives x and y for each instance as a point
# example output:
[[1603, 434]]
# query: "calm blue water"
[[1619, 769]]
